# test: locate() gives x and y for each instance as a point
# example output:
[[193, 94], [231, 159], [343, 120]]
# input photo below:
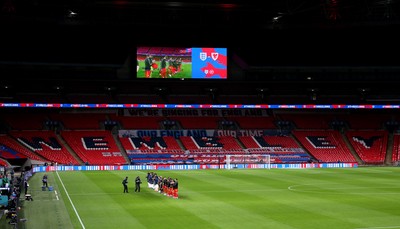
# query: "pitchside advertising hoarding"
[[181, 63]]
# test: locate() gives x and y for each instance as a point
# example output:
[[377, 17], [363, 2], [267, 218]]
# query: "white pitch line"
[[56, 195], [72, 204]]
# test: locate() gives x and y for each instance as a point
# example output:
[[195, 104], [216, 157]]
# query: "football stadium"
[[199, 114]]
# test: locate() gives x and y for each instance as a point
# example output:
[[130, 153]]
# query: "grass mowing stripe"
[[388, 227], [102, 211], [356, 205], [308, 205], [334, 198], [45, 211], [225, 210], [147, 209], [280, 208], [329, 208], [70, 201]]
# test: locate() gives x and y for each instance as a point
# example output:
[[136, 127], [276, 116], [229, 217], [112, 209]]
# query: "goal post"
[[248, 161]]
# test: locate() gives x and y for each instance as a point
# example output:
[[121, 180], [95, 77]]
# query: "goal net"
[[248, 161]]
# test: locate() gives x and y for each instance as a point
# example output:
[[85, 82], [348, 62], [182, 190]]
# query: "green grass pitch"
[[356, 198], [186, 72]]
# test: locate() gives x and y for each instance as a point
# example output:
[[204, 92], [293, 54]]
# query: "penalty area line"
[[69, 198]]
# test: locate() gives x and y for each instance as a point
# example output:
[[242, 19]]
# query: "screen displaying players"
[[181, 63]]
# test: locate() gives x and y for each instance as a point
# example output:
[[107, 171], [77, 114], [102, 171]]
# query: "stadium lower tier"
[[102, 147]]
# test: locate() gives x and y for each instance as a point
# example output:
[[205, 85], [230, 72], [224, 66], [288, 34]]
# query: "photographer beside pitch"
[[137, 184], [125, 184]]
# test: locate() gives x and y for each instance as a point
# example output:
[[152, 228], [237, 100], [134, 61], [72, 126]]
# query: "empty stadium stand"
[[369, 145], [95, 147], [84, 137], [46, 144]]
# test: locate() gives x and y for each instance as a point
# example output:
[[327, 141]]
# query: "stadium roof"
[[288, 45], [116, 27]]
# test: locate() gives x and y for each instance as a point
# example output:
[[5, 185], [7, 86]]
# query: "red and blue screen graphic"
[[209, 63]]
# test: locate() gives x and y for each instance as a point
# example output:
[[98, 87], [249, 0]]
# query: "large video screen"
[[181, 63]]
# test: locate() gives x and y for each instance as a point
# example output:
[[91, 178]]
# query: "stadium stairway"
[[351, 148], [21, 148], [70, 150], [120, 147], [302, 146], [389, 149], [181, 144]]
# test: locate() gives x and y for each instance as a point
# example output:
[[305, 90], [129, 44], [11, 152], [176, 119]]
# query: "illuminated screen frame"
[[201, 63]]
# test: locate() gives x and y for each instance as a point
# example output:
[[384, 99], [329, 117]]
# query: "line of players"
[[164, 185], [174, 66]]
